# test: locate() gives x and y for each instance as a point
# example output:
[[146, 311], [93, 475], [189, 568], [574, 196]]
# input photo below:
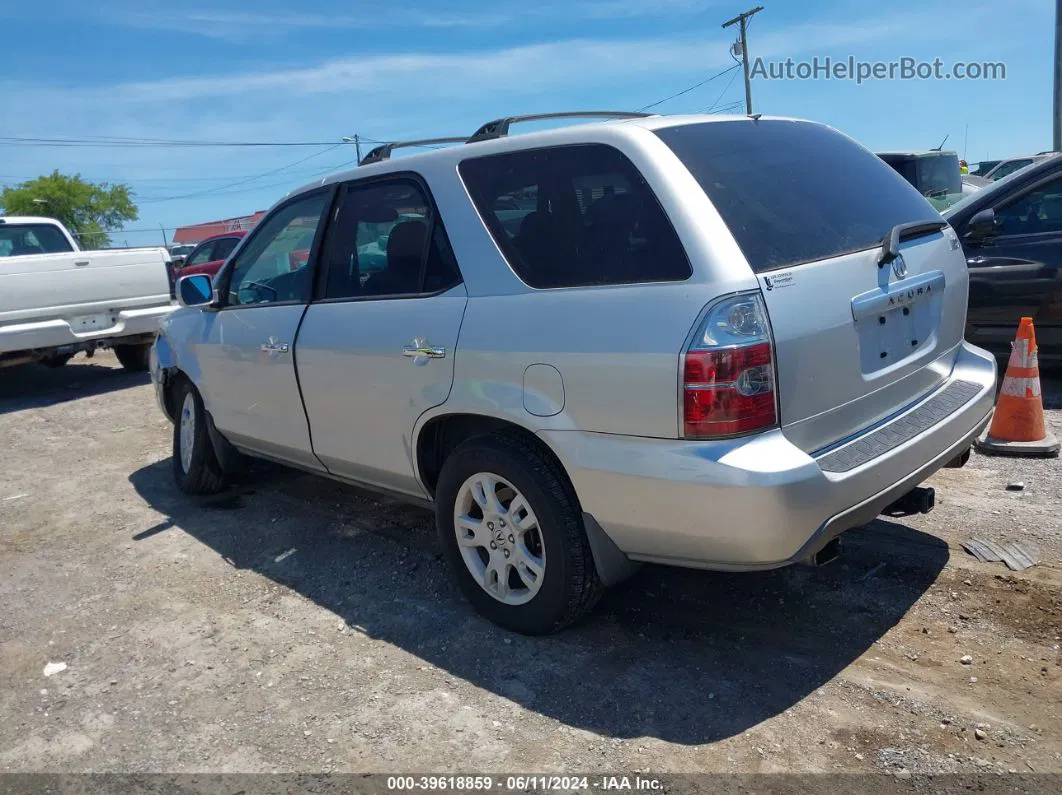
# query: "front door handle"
[[421, 347], [274, 347], [81, 262]]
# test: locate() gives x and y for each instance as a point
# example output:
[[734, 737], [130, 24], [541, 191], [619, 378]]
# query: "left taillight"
[[728, 385]]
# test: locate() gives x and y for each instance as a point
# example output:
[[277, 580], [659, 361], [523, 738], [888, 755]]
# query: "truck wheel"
[[134, 358], [58, 360], [512, 534], [195, 464]]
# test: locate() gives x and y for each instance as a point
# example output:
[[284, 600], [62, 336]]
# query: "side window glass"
[[224, 247], [575, 216], [274, 266], [387, 242], [203, 254], [1038, 211]]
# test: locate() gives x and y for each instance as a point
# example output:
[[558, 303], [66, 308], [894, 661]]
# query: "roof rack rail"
[[500, 127], [383, 151]]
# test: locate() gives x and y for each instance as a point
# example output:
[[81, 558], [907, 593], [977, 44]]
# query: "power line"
[[688, 90], [728, 108], [719, 99], [222, 188], [137, 143]]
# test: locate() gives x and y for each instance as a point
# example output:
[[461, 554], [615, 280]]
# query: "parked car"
[[1007, 167], [936, 174], [57, 300], [179, 253], [693, 349], [983, 167], [1011, 233], [209, 255]]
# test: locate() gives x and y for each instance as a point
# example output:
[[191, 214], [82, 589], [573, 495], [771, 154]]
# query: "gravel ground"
[[292, 624]]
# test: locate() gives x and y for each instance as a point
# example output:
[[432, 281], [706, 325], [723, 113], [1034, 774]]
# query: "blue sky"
[[275, 70]]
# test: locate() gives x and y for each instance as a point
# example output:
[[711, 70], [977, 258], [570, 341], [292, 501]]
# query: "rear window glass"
[[574, 216], [794, 192], [18, 240]]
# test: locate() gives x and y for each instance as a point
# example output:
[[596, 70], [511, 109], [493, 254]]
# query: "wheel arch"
[[438, 435], [171, 377]]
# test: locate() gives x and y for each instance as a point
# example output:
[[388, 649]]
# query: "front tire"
[[512, 533], [195, 464], [134, 358]]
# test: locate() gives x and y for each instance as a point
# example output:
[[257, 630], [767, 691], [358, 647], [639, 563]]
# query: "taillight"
[[728, 372]]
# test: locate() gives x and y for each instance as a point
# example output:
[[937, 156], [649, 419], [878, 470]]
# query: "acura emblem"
[[899, 267]]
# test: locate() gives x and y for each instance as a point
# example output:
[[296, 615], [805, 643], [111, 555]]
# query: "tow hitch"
[[917, 500]]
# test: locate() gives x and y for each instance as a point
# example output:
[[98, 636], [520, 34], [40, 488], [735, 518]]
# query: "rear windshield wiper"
[[890, 244]]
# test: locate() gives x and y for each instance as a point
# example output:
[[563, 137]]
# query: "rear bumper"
[[58, 332], [761, 502]]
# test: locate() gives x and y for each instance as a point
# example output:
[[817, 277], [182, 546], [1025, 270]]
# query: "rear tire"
[[547, 579], [195, 464], [56, 361], [134, 358]]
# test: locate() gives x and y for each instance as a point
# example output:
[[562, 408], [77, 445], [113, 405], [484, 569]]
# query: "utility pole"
[[1057, 139], [743, 20], [163, 230], [356, 139]]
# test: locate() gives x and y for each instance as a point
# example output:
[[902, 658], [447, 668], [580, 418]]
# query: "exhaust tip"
[[828, 554], [960, 460]]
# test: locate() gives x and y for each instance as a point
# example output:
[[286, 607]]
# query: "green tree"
[[88, 209]]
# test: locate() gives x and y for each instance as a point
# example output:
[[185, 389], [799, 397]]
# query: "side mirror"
[[195, 290], [982, 224]]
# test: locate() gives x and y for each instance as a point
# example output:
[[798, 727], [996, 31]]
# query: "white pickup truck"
[[57, 300]]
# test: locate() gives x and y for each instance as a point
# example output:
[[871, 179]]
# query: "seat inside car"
[[405, 252]]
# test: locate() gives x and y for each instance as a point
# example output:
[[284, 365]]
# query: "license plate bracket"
[[897, 321], [90, 324]]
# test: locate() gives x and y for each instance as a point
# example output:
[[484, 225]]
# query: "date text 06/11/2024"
[[522, 783]]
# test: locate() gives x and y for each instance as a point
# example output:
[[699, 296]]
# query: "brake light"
[[728, 377]]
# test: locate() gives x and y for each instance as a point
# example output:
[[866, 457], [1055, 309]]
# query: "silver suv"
[[702, 341]]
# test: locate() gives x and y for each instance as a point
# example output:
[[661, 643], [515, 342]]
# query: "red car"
[[210, 254]]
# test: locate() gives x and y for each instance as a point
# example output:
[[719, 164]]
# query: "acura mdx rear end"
[[822, 392]]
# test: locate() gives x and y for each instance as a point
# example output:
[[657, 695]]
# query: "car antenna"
[[941, 146]]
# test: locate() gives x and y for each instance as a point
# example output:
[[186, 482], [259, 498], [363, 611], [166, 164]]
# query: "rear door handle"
[[422, 348]]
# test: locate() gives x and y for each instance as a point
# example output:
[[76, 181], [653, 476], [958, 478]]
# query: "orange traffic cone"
[[1018, 425]]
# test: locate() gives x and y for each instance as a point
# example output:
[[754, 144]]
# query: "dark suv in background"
[[1011, 233]]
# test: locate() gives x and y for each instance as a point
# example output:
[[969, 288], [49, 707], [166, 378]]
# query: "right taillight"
[[728, 380]]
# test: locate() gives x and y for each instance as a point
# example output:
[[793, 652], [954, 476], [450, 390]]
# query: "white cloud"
[[238, 24], [403, 94], [404, 79]]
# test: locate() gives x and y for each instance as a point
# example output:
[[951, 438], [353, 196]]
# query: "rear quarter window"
[[795, 192], [27, 239], [575, 216]]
